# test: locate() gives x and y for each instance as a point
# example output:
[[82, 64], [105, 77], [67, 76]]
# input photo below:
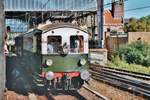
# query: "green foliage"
[[129, 67], [132, 57], [140, 25], [135, 53]]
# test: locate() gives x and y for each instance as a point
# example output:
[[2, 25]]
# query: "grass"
[[117, 63]]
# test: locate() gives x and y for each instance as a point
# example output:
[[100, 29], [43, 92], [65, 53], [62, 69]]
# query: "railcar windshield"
[[53, 44], [76, 44]]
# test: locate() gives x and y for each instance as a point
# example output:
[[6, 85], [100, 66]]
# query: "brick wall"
[[143, 36]]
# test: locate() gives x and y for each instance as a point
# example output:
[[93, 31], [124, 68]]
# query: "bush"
[[135, 53]]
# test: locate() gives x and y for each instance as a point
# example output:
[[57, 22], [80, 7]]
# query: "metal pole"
[[2, 57], [100, 23]]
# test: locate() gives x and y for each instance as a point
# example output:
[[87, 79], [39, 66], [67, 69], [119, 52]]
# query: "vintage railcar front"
[[64, 50], [55, 56]]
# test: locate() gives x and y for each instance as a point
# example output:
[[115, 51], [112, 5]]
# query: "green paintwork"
[[24, 69], [66, 63]]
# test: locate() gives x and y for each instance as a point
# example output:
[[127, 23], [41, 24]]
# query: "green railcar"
[[54, 56]]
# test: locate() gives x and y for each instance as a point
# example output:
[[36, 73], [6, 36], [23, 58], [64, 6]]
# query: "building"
[[113, 19], [139, 36]]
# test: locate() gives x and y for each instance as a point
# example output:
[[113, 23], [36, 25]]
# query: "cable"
[[45, 4], [139, 8], [133, 9], [49, 0], [108, 4]]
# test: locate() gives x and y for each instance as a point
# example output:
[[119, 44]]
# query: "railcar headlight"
[[49, 62], [82, 61], [49, 75], [85, 75]]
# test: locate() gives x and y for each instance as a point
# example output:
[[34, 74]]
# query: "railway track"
[[95, 93], [122, 72], [116, 78], [84, 93]]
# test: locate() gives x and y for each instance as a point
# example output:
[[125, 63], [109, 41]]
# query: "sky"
[[131, 4]]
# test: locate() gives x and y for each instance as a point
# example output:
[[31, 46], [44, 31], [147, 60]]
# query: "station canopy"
[[50, 5]]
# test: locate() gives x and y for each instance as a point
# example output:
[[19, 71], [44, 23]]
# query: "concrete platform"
[[98, 56]]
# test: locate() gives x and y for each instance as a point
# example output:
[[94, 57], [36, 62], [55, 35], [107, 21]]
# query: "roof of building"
[[109, 20]]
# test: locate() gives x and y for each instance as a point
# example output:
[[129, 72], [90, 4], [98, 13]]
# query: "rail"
[[96, 93], [115, 78], [122, 72]]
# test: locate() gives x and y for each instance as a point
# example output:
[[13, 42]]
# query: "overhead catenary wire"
[[128, 10], [109, 4], [138, 8], [45, 4], [133, 9]]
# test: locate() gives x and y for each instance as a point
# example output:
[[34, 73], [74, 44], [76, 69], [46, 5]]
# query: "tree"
[[131, 26], [138, 25]]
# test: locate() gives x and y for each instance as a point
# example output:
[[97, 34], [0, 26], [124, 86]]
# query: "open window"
[[53, 44], [76, 44]]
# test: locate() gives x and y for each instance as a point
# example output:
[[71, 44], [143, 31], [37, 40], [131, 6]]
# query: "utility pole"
[[100, 23], [2, 56]]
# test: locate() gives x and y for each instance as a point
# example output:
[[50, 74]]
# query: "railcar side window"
[[76, 44], [28, 43], [38, 44], [53, 44], [19, 45]]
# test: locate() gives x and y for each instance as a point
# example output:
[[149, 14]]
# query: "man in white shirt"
[[77, 44], [50, 48]]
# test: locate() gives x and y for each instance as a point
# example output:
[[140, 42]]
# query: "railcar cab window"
[[76, 44], [53, 44]]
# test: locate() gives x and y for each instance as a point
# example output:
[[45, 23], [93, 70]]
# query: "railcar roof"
[[49, 27]]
